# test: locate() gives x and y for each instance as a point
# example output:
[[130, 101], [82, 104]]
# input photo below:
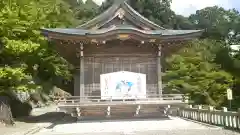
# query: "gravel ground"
[[173, 126]]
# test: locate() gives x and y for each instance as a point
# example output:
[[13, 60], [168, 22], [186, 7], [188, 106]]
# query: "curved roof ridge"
[[111, 9], [109, 14], [142, 17]]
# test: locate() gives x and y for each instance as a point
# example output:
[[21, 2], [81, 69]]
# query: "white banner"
[[123, 85], [229, 94]]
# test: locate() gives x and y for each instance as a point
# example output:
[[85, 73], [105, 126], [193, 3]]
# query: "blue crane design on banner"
[[124, 83]]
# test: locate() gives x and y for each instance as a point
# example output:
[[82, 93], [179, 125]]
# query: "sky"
[[187, 7]]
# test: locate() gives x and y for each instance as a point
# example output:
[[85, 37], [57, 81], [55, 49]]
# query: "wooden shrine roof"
[[120, 7], [118, 25], [100, 34], [120, 18]]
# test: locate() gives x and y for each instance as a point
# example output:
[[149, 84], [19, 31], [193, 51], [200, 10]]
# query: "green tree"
[[84, 11], [220, 24], [25, 55], [182, 23], [192, 71]]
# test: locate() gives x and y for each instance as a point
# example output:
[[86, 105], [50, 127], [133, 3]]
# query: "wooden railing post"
[[78, 110], [179, 112], [58, 109], [137, 110], [191, 112], [108, 111], [238, 119], [223, 119], [210, 115], [199, 115], [186, 99], [169, 110]]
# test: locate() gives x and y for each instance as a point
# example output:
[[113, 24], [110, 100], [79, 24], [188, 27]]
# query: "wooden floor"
[[117, 103], [76, 101]]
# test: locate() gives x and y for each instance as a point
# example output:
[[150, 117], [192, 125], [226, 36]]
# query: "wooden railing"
[[212, 116], [86, 99]]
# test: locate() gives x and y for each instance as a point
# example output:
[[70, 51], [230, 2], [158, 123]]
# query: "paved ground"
[[173, 126], [20, 126], [68, 126]]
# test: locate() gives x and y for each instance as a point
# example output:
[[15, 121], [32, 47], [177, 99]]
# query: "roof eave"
[[183, 37], [56, 33]]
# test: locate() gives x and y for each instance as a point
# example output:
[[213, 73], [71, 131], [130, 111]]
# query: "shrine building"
[[119, 39]]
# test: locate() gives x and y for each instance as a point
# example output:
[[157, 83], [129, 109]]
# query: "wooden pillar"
[[138, 110], [108, 111], [82, 91], [159, 71], [79, 113]]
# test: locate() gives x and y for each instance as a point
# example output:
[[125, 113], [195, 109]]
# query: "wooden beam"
[[159, 70], [82, 91]]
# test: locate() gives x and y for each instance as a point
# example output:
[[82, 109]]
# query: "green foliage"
[[25, 54], [15, 79], [84, 11], [218, 22], [105, 5], [203, 69], [181, 22], [193, 71], [155, 10]]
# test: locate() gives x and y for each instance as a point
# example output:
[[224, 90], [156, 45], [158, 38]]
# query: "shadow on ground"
[[46, 117], [121, 118]]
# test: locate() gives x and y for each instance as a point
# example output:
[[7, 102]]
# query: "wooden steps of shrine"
[[111, 108], [117, 111], [120, 103], [87, 101]]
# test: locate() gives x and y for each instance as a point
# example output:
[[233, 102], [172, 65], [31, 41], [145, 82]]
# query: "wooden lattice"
[[95, 66]]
